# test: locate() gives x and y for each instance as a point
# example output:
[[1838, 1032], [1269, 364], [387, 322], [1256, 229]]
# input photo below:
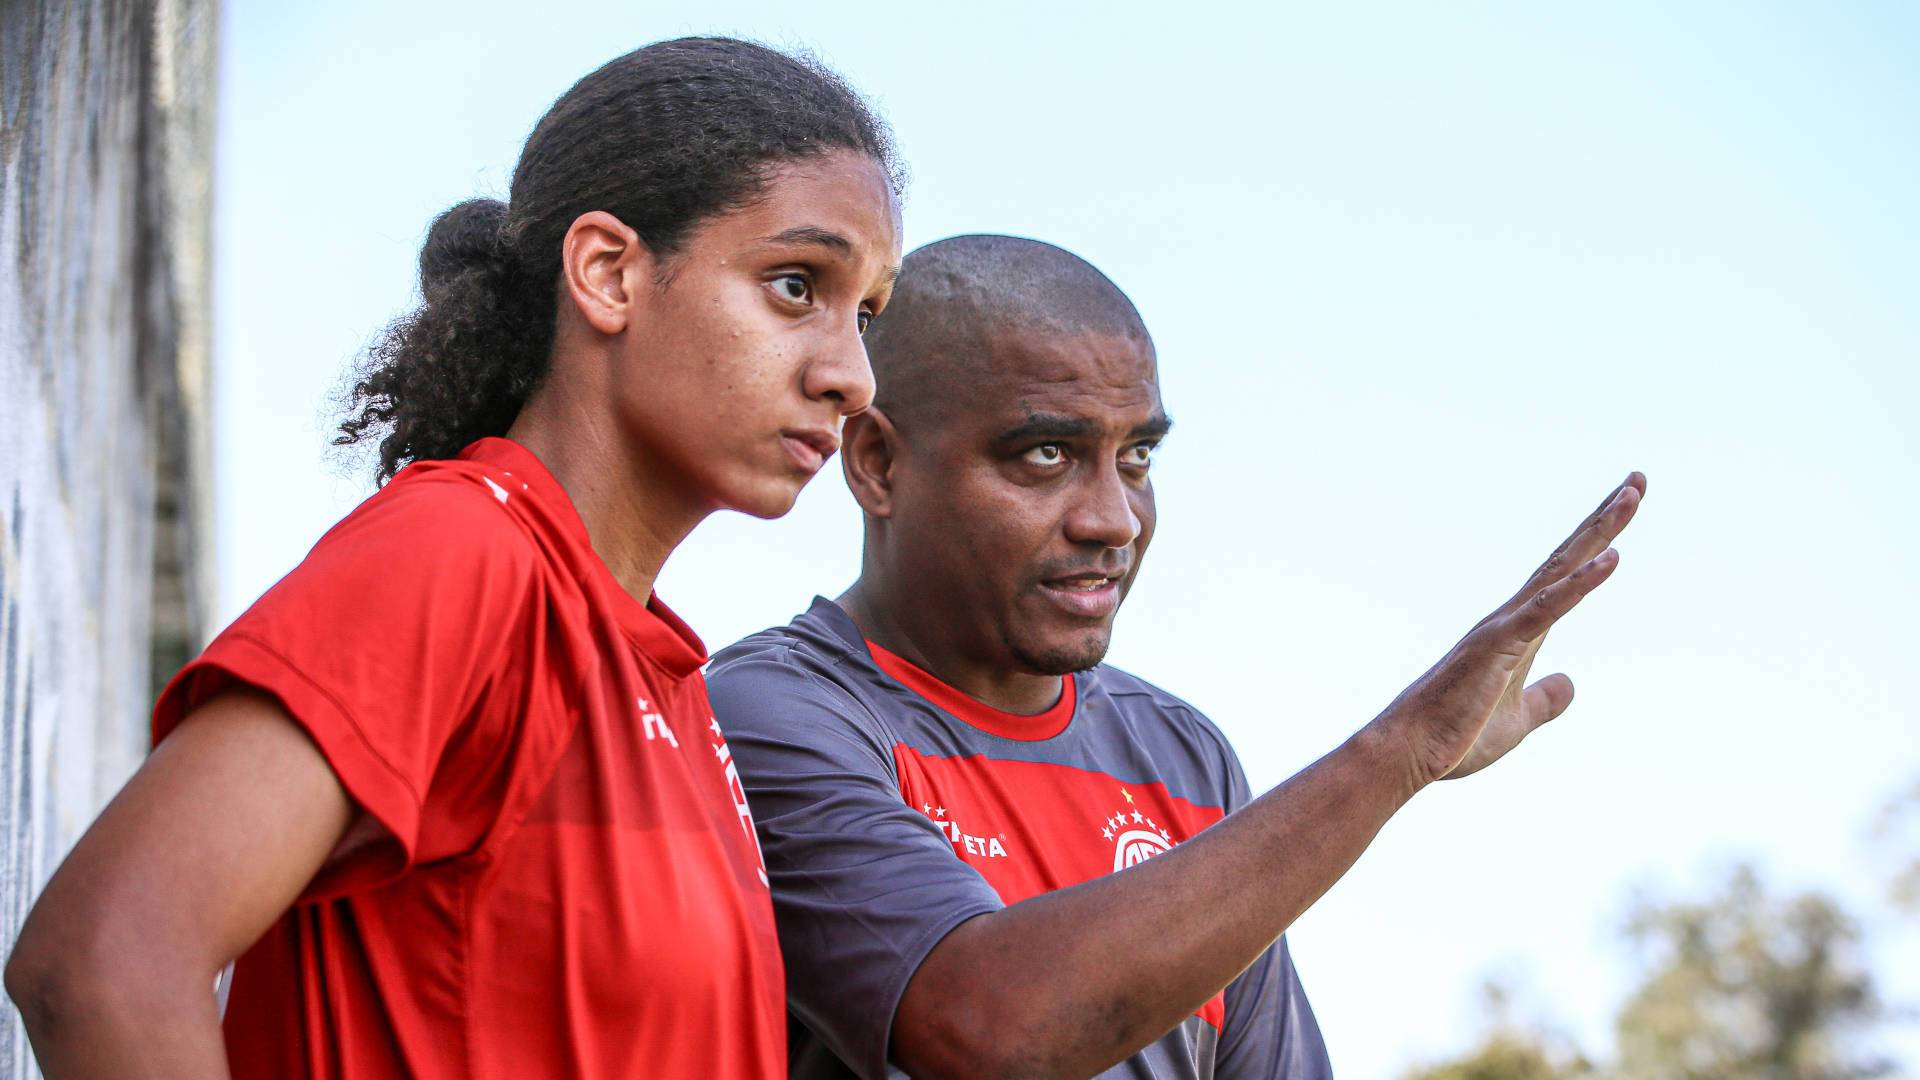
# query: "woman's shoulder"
[[427, 526]]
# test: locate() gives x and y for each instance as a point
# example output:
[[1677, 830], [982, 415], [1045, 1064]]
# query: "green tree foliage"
[[1743, 985], [1748, 986], [1511, 1050], [1898, 831], [1504, 1056]]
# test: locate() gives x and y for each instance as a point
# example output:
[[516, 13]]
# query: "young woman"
[[451, 791]]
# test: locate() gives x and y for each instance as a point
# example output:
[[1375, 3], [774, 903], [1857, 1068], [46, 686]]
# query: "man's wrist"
[[1387, 746]]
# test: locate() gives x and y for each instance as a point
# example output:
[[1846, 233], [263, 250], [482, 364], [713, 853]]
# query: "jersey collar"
[[653, 627], [970, 710]]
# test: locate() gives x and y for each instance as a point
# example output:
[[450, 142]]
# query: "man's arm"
[[208, 844], [1029, 991]]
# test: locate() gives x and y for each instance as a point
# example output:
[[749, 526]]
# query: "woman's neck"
[[634, 511]]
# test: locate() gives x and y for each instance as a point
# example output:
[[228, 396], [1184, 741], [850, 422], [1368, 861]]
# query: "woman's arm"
[[207, 845]]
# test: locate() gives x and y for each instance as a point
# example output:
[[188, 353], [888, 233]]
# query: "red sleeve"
[[382, 645]]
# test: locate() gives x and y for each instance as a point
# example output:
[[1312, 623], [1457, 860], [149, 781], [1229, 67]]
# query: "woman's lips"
[[809, 449]]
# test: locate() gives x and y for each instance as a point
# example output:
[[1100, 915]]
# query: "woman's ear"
[[602, 264], [869, 446]]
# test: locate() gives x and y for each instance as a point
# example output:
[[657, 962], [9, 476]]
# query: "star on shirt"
[[1108, 833], [1127, 794], [1137, 817], [939, 811]]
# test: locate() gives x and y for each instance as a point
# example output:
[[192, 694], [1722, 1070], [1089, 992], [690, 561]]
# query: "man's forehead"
[[1068, 360], [987, 327], [1101, 381]]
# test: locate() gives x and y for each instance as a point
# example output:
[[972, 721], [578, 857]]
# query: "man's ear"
[[603, 265], [869, 446]]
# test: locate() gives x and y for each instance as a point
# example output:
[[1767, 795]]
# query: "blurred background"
[[1425, 284]]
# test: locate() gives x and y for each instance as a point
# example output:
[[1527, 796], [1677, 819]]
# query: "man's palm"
[[1516, 714]]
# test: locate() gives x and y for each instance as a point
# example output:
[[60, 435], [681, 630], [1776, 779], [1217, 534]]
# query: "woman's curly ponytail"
[[459, 366]]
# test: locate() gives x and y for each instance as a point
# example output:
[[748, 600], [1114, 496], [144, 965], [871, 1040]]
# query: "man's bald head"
[[1004, 471], [957, 297]]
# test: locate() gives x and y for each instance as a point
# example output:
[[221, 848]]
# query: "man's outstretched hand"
[[1042, 995], [1475, 704]]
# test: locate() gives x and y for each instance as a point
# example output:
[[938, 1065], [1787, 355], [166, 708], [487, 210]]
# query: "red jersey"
[[553, 872]]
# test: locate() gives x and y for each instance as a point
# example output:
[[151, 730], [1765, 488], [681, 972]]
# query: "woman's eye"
[[1047, 454], [866, 320], [794, 287]]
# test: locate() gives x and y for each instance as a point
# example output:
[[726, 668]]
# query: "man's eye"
[[794, 287], [1047, 454], [1138, 456], [866, 320]]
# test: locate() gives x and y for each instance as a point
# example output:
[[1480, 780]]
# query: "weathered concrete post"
[[105, 491]]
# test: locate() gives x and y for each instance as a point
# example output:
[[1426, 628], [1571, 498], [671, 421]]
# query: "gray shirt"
[[891, 809]]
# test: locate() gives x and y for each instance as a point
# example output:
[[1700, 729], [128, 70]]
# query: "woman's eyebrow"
[[820, 237], [811, 235]]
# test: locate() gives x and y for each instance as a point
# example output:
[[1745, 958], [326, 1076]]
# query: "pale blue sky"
[[1424, 285]]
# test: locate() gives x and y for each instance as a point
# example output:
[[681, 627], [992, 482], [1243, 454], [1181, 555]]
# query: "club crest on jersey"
[[1136, 836]]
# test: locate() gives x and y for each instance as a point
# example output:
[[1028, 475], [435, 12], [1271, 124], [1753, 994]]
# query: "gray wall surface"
[[105, 500]]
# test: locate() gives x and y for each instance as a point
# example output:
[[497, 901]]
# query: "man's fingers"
[[1547, 699], [1634, 480], [1605, 523], [1594, 534], [1588, 521], [1538, 610]]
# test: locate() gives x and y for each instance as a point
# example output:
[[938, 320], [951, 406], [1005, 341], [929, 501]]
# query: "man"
[[982, 841]]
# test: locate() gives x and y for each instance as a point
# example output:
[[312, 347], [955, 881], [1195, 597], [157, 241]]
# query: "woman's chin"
[[768, 500]]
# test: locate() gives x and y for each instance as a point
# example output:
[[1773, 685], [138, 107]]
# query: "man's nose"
[[1104, 513], [841, 373]]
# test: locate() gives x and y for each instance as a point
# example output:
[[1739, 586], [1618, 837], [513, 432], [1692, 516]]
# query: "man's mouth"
[[1086, 596]]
